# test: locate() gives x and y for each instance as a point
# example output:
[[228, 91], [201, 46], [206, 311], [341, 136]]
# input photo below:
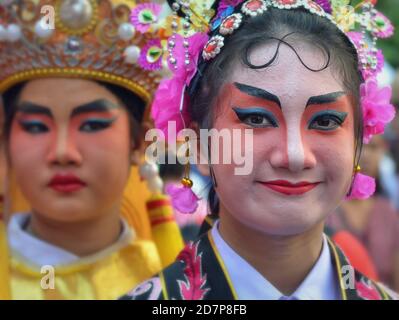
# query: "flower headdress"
[[206, 25]]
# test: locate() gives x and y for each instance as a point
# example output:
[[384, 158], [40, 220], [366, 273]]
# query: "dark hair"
[[134, 105], [275, 25], [171, 171]]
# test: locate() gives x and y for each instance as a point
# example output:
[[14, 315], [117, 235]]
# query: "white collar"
[[37, 252], [320, 284]]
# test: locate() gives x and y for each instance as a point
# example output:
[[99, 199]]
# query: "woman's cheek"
[[106, 154], [21, 142], [338, 165], [115, 138]]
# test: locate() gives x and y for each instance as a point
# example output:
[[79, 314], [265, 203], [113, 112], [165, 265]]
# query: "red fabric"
[[356, 253]]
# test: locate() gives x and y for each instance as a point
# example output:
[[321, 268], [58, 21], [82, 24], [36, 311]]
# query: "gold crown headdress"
[[116, 41]]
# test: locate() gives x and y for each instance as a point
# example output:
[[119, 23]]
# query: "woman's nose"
[[293, 152], [64, 150]]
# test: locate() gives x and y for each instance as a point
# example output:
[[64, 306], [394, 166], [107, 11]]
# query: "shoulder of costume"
[[368, 289], [355, 285], [196, 274]]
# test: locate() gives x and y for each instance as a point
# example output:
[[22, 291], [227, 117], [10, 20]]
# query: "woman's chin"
[[293, 222], [74, 212]]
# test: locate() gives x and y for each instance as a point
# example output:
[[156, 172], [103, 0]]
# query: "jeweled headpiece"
[[116, 41], [218, 20]]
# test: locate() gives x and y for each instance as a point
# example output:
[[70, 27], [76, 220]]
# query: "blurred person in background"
[[375, 221], [393, 134]]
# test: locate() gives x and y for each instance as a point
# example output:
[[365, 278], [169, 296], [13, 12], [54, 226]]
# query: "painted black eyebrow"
[[258, 93], [32, 108], [325, 98], [101, 105]]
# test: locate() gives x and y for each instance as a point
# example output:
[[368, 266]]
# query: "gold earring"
[[186, 181]]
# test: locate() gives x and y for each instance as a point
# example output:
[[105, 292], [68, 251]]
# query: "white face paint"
[[295, 152], [305, 134]]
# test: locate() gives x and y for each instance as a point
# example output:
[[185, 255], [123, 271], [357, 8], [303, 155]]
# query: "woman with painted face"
[[75, 101], [289, 74]]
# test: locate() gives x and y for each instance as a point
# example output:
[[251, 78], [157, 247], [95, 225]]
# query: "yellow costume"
[[102, 26], [61, 275]]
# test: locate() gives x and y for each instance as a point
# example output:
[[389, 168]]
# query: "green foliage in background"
[[390, 46]]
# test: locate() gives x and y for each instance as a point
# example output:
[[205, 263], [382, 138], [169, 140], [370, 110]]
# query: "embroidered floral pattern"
[[194, 287], [152, 288], [366, 290]]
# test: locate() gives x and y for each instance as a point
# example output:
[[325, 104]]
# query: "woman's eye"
[[327, 121], [95, 125], [257, 118], [34, 127], [258, 121]]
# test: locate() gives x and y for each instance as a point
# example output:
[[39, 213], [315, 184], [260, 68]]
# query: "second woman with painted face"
[[75, 101]]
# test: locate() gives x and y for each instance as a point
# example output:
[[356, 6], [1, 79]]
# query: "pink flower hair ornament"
[[169, 106], [144, 16], [170, 98], [183, 198], [363, 187], [376, 108]]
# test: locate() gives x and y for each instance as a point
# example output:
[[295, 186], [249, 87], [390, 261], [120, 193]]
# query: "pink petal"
[[367, 291], [386, 113], [377, 109], [363, 187], [183, 198]]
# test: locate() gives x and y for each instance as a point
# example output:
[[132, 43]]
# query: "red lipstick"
[[289, 188], [66, 183]]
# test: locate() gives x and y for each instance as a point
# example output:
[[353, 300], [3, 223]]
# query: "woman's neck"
[[284, 261], [81, 238]]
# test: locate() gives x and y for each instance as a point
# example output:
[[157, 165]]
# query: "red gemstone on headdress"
[[254, 5], [229, 22], [211, 46]]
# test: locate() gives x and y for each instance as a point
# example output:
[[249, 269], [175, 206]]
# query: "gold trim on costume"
[[163, 285], [338, 265], [382, 291], [222, 265], [76, 73]]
